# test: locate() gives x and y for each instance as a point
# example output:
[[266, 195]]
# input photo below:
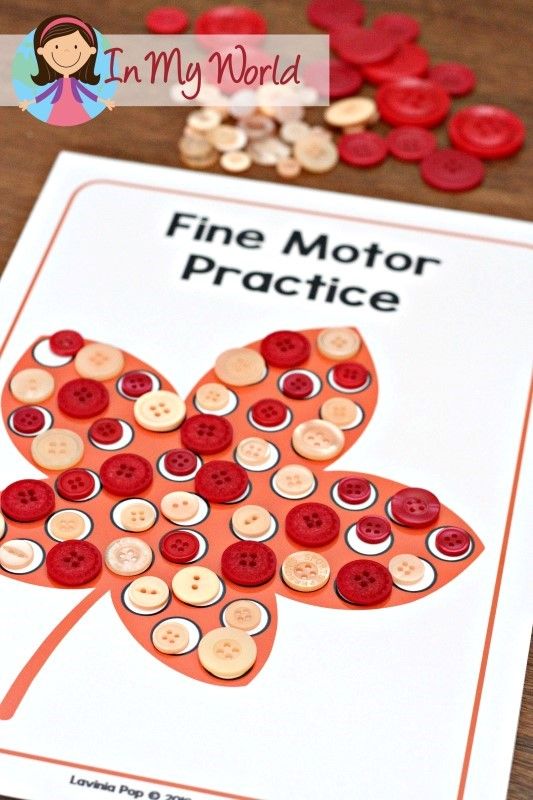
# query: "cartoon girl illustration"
[[66, 49]]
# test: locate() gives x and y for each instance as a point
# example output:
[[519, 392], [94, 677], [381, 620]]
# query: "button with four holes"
[[227, 652], [242, 614], [241, 366], [106, 431], [179, 546], [414, 507], [339, 411], [206, 434], [297, 386], [27, 500], [221, 481], [57, 448], [66, 343], [364, 582], [253, 451], [305, 571], [28, 420], [159, 410], [318, 440], [294, 480], [373, 529], [138, 517], [170, 637], [99, 361], [73, 563], [212, 396], [66, 525], [406, 569], [285, 349], [452, 542], [269, 413], [135, 384], [32, 385], [248, 563], [338, 344], [350, 375], [76, 484], [180, 462], [312, 524], [82, 398], [126, 475], [354, 490]]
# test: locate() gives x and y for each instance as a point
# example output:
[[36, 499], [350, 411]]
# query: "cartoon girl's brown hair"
[[46, 30]]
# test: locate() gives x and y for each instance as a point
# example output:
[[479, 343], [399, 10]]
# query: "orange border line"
[[505, 542]]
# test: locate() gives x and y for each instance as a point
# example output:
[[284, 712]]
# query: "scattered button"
[[373, 529], [268, 152], [354, 490], [253, 451], [297, 386], [269, 413], [329, 14], [66, 525], [126, 475], [245, 615], [28, 420], [240, 367], [230, 19], [106, 431], [487, 131], [403, 27], [288, 168], [227, 652], [364, 582], [235, 161], [317, 440], [82, 398], [66, 343], [135, 384], [180, 462], [180, 506], [57, 449], [413, 101], [340, 411], [406, 569], [73, 563], [27, 500], [410, 61], [148, 592], [16, 554], [179, 546], [75, 484], [32, 385], [251, 521], [166, 20], [366, 149], [196, 585], [409, 143], [316, 154], [285, 349], [294, 480], [305, 571], [221, 481], [452, 542], [452, 170], [206, 434], [99, 361], [212, 396], [351, 111], [350, 375], [312, 524], [248, 563], [170, 638], [338, 344], [415, 508], [137, 517], [363, 45], [128, 556], [456, 79], [159, 410]]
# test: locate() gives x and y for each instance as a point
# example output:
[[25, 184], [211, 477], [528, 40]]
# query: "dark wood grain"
[[492, 36]]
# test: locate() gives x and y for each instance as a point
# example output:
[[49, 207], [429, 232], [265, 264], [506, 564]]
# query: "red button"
[[27, 500], [221, 481], [126, 475], [354, 490], [179, 546], [412, 101], [345, 80], [206, 433], [73, 563], [230, 20], [180, 462], [411, 61], [452, 171], [456, 79], [409, 143], [329, 14], [364, 582], [452, 542], [269, 413], [135, 384], [28, 420], [312, 524], [106, 431], [248, 563], [362, 45], [350, 375], [82, 398], [297, 386], [415, 508], [373, 530], [66, 343], [403, 27], [364, 149], [167, 20], [487, 131], [285, 349], [75, 484]]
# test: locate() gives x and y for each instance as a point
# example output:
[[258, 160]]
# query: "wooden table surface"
[[489, 35]]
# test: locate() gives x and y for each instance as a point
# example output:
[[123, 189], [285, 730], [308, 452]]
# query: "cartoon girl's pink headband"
[[72, 21]]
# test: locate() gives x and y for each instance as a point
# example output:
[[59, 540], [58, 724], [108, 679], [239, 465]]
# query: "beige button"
[[285, 114], [195, 585], [196, 152], [317, 440], [170, 638], [99, 361], [204, 120], [129, 556], [253, 451], [212, 396], [226, 138], [148, 592], [251, 521], [67, 525], [32, 385], [288, 168], [267, 152], [340, 411], [57, 448], [305, 571], [236, 161], [240, 366], [137, 517], [180, 506], [16, 554], [406, 569], [338, 344], [294, 480], [243, 614], [350, 111], [316, 154], [227, 652], [159, 410], [257, 126]]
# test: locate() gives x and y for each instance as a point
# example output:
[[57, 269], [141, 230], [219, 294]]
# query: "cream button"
[[340, 411], [242, 614], [294, 480], [251, 521], [236, 161], [99, 361], [253, 451], [316, 154], [137, 517], [16, 554], [226, 138], [159, 410], [227, 652], [204, 120], [240, 366], [129, 556], [351, 111], [293, 130], [57, 449], [67, 525], [170, 638], [180, 506], [269, 151], [148, 592], [317, 440], [305, 571], [212, 396], [32, 385], [406, 569], [195, 585], [288, 168], [338, 344]]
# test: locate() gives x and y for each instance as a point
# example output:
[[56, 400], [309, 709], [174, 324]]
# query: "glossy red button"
[[415, 508], [487, 131], [167, 20], [364, 582], [354, 490], [350, 375], [126, 475], [135, 384], [412, 101], [403, 27], [82, 398], [269, 413], [362, 45], [452, 171], [452, 542], [73, 563], [179, 546], [373, 529], [312, 524], [411, 61], [180, 462], [456, 79], [285, 349], [206, 433], [297, 386], [221, 481], [409, 143], [229, 20], [106, 431], [328, 14], [75, 484], [27, 500], [66, 343], [365, 149], [28, 420], [248, 563], [345, 80]]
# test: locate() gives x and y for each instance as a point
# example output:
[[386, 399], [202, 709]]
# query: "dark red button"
[[248, 563], [350, 375], [73, 563], [206, 433], [364, 582], [269, 413], [285, 349], [135, 384], [487, 131], [411, 61], [403, 27], [66, 343], [452, 171], [221, 481], [328, 14], [75, 484], [362, 45], [167, 20], [126, 475], [365, 149], [312, 524], [297, 386], [27, 500], [354, 490], [409, 143], [345, 80], [28, 420], [412, 101], [456, 79], [106, 431], [415, 508], [452, 542], [179, 546], [229, 20], [82, 398], [373, 530], [180, 462]]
